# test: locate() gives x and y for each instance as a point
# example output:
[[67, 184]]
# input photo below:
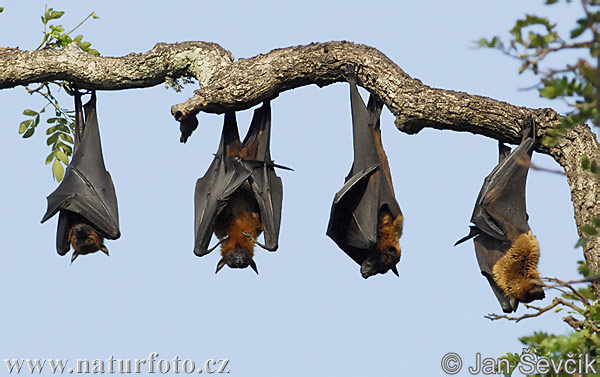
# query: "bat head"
[[237, 258], [380, 263], [533, 291], [85, 240]]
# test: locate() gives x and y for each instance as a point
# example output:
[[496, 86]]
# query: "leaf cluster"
[[61, 126]]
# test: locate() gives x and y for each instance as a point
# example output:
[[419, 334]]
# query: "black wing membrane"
[[87, 189], [367, 189], [500, 210], [227, 174], [266, 185]]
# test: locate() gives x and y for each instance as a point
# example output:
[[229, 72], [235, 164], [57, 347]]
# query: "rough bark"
[[226, 84]]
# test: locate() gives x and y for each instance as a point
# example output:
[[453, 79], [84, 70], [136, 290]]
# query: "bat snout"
[[534, 294], [238, 259], [368, 269]]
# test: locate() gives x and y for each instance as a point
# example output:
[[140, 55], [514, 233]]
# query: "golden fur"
[[516, 272], [248, 222], [388, 236]]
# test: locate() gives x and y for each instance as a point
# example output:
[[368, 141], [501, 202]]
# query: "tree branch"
[[186, 59], [226, 84]]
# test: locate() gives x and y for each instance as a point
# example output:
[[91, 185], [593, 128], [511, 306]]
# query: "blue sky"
[[309, 312]]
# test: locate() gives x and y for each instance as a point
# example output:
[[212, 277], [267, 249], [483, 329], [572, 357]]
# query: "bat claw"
[[255, 241], [217, 245]]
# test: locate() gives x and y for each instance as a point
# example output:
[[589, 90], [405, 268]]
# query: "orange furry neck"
[[248, 222], [388, 233], [516, 272]]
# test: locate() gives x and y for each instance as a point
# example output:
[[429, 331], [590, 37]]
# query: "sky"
[[309, 312]]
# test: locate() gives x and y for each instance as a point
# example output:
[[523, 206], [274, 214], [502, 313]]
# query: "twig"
[[547, 170], [81, 23], [557, 301], [579, 325], [568, 284]]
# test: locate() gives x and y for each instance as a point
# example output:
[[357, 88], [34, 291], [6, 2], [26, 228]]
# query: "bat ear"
[[253, 266], [104, 249], [74, 256], [395, 271], [220, 265]]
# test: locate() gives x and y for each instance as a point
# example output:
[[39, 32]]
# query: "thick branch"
[[228, 85], [187, 59]]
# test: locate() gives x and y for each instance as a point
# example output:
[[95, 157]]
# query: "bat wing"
[[502, 201], [224, 176], [266, 185], [500, 210], [87, 188], [488, 251], [355, 210]]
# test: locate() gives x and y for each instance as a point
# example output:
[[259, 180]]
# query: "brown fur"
[[516, 272], [235, 149], [248, 222], [86, 241], [388, 238]]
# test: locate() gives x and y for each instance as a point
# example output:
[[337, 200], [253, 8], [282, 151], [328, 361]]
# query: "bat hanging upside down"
[[506, 249], [240, 195], [366, 220], [85, 199]]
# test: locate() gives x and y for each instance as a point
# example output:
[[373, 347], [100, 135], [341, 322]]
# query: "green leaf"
[[589, 230], [585, 162], [29, 133], [65, 148], [24, 126], [30, 112], [66, 138], [1, 9], [549, 91], [52, 139], [50, 157], [58, 170], [59, 127], [62, 157], [55, 15], [596, 222]]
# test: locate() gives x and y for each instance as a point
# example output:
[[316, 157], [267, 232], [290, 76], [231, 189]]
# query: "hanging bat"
[[85, 199], [506, 249], [240, 195], [366, 220]]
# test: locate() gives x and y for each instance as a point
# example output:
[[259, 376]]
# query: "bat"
[[240, 196], [85, 200], [366, 220], [506, 249]]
